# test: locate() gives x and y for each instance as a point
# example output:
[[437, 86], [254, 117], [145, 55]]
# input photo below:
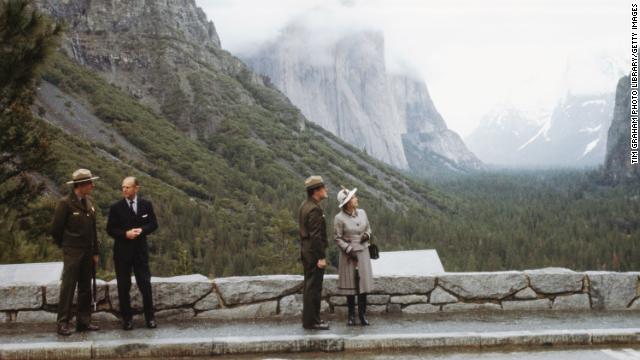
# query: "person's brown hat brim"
[[83, 180], [81, 176], [313, 182], [317, 186]]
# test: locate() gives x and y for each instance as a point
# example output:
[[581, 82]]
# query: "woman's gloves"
[[352, 254]]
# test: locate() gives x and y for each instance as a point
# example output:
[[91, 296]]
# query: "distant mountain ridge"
[[573, 134]]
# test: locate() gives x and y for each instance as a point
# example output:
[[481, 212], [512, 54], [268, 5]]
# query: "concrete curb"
[[47, 350], [198, 347]]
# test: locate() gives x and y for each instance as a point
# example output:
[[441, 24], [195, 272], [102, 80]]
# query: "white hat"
[[345, 195]]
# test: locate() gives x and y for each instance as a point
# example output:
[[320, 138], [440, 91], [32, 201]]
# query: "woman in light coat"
[[351, 233]]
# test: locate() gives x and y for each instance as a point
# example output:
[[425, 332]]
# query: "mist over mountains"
[[571, 132], [343, 84]]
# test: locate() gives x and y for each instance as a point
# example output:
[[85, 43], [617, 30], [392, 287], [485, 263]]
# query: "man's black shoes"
[[63, 329], [128, 324], [321, 326], [87, 327]]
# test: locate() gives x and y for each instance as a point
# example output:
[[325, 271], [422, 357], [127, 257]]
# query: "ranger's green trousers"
[[312, 295], [77, 270]]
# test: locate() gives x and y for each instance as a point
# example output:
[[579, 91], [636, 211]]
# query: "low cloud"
[[472, 54]]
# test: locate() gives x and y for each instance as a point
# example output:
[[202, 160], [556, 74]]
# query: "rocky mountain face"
[[153, 50], [573, 134], [429, 146], [617, 166], [344, 86]]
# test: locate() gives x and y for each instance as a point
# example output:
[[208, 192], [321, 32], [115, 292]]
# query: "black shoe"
[[87, 327], [321, 326], [63, 329], [351, 317], [151, 324], [127, 325], [363, 320], [362, 309], [351, 307]]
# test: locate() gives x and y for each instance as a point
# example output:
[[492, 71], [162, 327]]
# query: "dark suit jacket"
[[74, 225], [313, 232], [122, 218]]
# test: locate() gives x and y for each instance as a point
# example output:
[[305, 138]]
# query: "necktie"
[[83, 201], [131, 206]]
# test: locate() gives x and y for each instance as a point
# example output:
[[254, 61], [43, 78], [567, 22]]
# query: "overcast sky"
[[473, 54]]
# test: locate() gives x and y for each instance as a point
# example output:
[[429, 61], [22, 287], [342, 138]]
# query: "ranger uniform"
[[313, 238], [74, 230]]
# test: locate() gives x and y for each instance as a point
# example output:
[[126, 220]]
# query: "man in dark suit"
[[313, 238], [130, 221], [74, 230]]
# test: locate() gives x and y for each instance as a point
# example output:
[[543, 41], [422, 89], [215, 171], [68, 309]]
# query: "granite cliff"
[[343, 85], [617, 166]]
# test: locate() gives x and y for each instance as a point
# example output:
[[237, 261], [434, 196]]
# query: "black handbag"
[[374, 253]]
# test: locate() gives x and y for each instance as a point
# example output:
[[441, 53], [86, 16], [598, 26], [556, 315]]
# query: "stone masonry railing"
[[250, 297]]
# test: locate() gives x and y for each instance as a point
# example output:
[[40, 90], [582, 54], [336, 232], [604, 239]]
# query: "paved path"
[[426, 333], [620, 353]]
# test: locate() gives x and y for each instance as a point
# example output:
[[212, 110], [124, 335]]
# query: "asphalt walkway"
[[435, 332]]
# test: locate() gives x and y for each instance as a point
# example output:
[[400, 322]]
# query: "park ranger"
[[74, 230], [313, 237]]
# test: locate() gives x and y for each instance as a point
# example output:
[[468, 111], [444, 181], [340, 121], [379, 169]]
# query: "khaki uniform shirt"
[[74, 225]]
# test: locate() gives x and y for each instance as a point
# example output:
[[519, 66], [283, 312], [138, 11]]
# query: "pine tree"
[[28, 39]]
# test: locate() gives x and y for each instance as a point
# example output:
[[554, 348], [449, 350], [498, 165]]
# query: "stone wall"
[[197, 297]]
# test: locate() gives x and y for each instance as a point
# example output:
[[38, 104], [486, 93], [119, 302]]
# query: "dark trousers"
[[77, 270], [312, 295], [126, 258]]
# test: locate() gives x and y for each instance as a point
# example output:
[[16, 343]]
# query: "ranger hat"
[[81, 175], [313, 182]]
